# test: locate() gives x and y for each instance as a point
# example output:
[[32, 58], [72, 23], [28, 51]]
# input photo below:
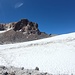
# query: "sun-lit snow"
[[5, 30], [2, 31], [54, 55]]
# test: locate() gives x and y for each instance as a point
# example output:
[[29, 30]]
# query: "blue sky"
[[53, 16]]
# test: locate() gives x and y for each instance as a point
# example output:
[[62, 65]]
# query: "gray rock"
[[21, 31], [37, 68]]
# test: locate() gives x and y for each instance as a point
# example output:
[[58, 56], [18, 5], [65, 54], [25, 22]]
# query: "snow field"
[[54, 55]]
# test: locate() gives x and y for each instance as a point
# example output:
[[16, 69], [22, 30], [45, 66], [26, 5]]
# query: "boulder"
[[37, 68]]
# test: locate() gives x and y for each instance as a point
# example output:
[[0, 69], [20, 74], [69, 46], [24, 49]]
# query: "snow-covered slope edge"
[[4, 31], [54, 55], [56, 39]]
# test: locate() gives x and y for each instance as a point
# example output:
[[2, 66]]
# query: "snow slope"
[[54, 55], [4, 31]]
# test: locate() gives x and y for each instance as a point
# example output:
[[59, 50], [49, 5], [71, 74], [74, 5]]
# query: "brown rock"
[[10, 25], [21, 31], [19, 25]]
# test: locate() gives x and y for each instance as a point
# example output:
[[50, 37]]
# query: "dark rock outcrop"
[[21, 31], [26, 26], [2, 27], [19, 25], [37, 68]]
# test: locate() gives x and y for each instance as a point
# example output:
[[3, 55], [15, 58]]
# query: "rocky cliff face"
[[23, 25], [7, 26], [21, 31], [26, 26]]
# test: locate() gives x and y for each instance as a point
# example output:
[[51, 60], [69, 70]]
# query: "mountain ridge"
[[21, 31]]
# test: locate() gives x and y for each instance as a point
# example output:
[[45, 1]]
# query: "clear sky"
[[53, 16]]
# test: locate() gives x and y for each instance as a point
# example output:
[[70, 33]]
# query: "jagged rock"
[[26, 26], [19, 25], [21, 31], [23, 25]]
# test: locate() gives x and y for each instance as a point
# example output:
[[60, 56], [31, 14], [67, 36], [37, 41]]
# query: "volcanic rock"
[[2, 27], [21, 31]]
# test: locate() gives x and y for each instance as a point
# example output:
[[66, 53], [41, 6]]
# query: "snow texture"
[[4, 31], [55, 55]]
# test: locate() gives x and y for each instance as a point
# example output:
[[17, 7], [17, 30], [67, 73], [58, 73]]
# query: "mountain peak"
[[21, 31]]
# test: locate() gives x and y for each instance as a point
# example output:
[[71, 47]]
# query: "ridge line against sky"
[[52, 16]]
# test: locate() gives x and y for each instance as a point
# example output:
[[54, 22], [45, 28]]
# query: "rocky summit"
[[21, 31]]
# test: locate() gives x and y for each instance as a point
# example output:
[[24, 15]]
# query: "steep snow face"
[[54, 55]]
